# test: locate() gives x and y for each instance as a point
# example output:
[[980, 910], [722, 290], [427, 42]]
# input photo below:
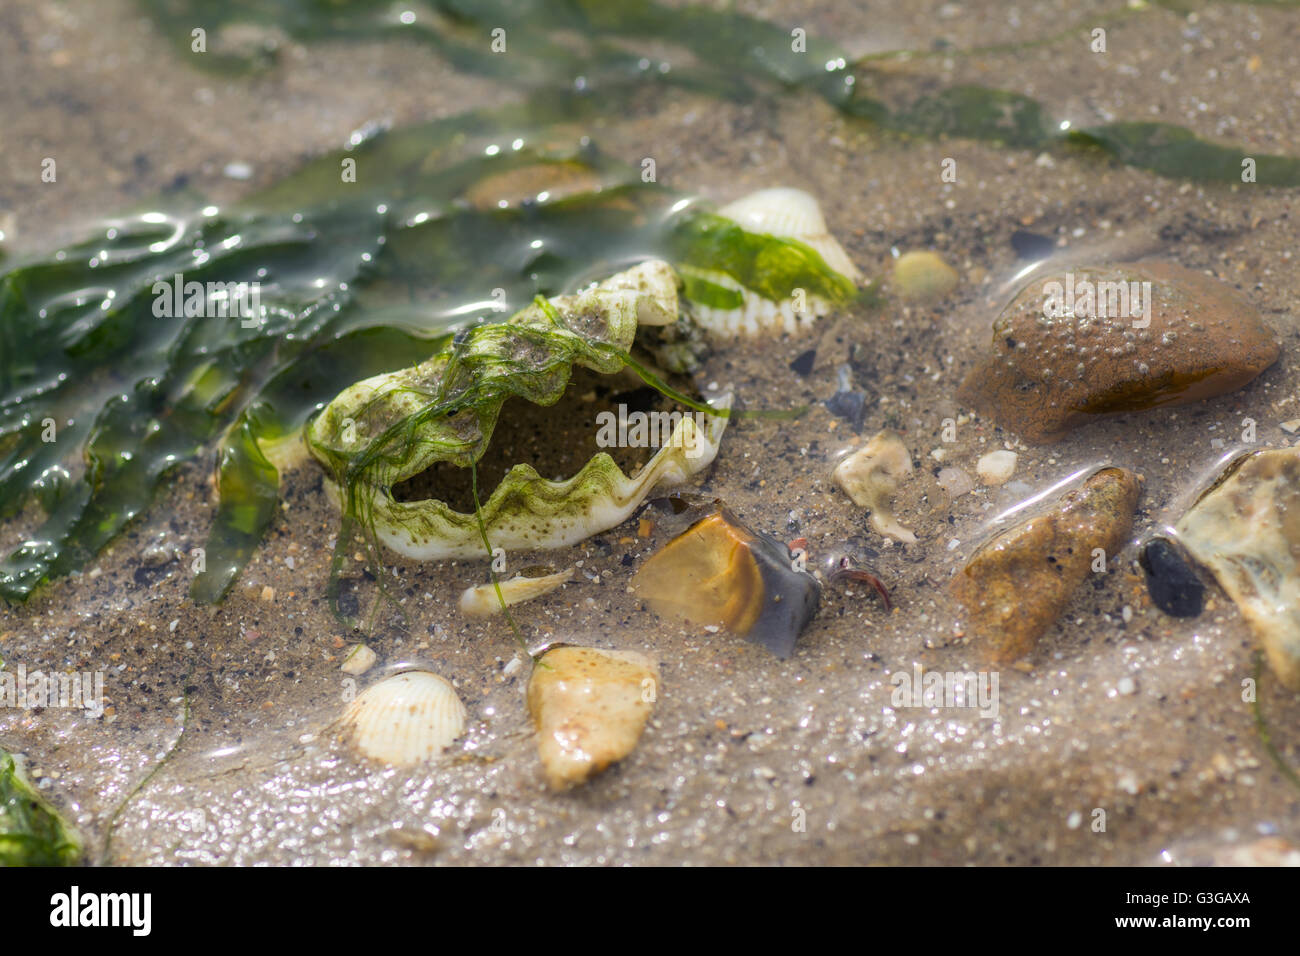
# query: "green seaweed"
[[31, 831], [1174, 152], [353, 283], [366, 276]]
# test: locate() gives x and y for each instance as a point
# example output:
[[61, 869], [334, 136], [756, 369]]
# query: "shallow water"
[[740, 743]]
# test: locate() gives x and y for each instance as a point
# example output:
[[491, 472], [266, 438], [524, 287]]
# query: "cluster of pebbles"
[[1068, 349]]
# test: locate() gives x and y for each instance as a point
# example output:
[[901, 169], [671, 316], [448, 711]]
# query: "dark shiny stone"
[[1172, 582]]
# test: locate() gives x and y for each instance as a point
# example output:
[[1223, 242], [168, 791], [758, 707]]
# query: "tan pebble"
[[589, 707], [1017, 585], [358, 660], [921, 275], [997, 467]]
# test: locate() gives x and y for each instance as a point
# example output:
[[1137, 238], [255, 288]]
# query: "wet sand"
[[741, 748]]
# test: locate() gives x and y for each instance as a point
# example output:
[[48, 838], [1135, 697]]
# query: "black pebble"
[[1032, 246], [1173, 584], [850, 406], [804, 363]]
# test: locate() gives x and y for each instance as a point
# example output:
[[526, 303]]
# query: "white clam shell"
[[405, 719]]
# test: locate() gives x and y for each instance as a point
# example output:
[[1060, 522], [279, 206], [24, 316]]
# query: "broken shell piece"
[[482, 601], [997, 467], [1017, 585], [405, 719], [589, 707], [731, 307], [1246, 531], [721, 573], [870, 476], [359, 660]]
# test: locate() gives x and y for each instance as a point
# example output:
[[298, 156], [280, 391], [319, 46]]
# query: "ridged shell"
[[405, 719], [786, 214], [791, 214]]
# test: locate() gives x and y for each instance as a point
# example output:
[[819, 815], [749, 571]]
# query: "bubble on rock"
[[1142, 352]]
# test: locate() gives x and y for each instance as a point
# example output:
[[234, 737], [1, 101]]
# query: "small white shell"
[[791, 214], [481, 601], [405, 719]]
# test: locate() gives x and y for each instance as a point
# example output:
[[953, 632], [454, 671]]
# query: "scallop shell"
[[405, 719], [787, 214], [482, 601]]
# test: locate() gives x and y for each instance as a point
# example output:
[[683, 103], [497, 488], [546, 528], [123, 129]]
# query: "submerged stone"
[[589, 707], [1246, 531], [1121, 338], [1017, 585], [921, 275], [719, 572], [1173, 584]]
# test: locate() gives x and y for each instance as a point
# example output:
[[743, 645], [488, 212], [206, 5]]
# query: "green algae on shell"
[[1060, 360], [764, 263], [1246, 531], [1015, 586], [390, 427]]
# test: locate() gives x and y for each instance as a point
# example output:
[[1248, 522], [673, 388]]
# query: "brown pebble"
[[1049, 374], [1017, 585]]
